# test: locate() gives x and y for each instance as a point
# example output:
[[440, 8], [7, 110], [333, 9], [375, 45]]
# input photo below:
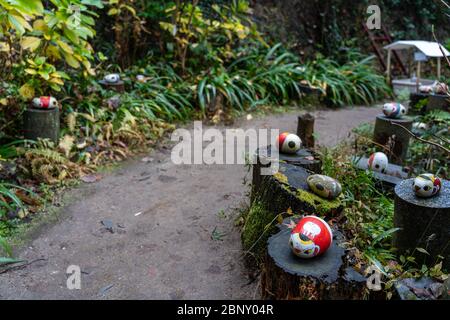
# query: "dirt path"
[[183, 245]]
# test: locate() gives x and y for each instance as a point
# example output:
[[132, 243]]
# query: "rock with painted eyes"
[[378, 162], [324, 186], [394, 110], [419, 126], [426, 185], [311, 237], [112, 78], [44, 103], [288, 143]]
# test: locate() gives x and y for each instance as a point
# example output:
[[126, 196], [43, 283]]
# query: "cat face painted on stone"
[[112, 78], [426, 185], [378, 162], [288, 143], [394, 110]]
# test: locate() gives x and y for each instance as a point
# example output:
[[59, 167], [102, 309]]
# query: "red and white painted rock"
[[288, 143], [378, 161], [311, 237], [44, 103]]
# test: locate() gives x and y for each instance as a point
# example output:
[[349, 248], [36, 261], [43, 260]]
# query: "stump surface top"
[[441, 201], [105, 83], [325, 267], [399, 121], [301, 155]]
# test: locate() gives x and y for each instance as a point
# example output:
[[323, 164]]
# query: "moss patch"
[[281, 177], [259, 225], [322, 206]]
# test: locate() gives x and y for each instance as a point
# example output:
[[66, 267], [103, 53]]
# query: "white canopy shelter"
[[427, 48], [430, 49]]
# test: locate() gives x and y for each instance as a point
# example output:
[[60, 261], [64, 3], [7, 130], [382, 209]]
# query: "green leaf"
[[30, 7], [31, 43]]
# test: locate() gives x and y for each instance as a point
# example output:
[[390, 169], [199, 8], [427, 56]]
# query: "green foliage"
[[352, 83], [38, 39]]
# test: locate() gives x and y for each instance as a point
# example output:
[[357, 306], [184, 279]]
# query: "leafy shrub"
[[355, 82]]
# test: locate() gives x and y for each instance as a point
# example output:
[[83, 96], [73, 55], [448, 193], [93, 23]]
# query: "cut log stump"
[[118, 87], [326, 277], [41, 123], [286, 189], [385, 133], [305, 129], [438, 102], [304, 158], [424, 223]]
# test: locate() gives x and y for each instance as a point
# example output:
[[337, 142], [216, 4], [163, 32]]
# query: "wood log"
[[286, 189], [305, 129], [326, 277], [438, 102], [118, 87], [41, 123], [304, 158], [424, 223], [385, 133]]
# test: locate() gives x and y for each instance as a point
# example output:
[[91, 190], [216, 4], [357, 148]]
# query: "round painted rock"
[[324, 186], [311, 237], [288, 143], [378, 162], [44, 103], [112, 78], [427, 185], [394, 110]]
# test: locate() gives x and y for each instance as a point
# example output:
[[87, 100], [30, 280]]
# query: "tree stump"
[[305, 129], [424, 223], [304, 158], [286, 189], [41, 123], [385, 133], [438, 102], [326, 277], [118, 87]]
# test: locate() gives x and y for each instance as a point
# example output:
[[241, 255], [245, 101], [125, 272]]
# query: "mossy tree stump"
[[424, 223], [388, 134], [304, 158], [118, 87], [41, 123], [326, 277], [277, 193]]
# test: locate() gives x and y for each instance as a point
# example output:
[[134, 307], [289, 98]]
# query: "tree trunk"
[[424, 223], [326, 277], [305, 129], [41, 123]]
